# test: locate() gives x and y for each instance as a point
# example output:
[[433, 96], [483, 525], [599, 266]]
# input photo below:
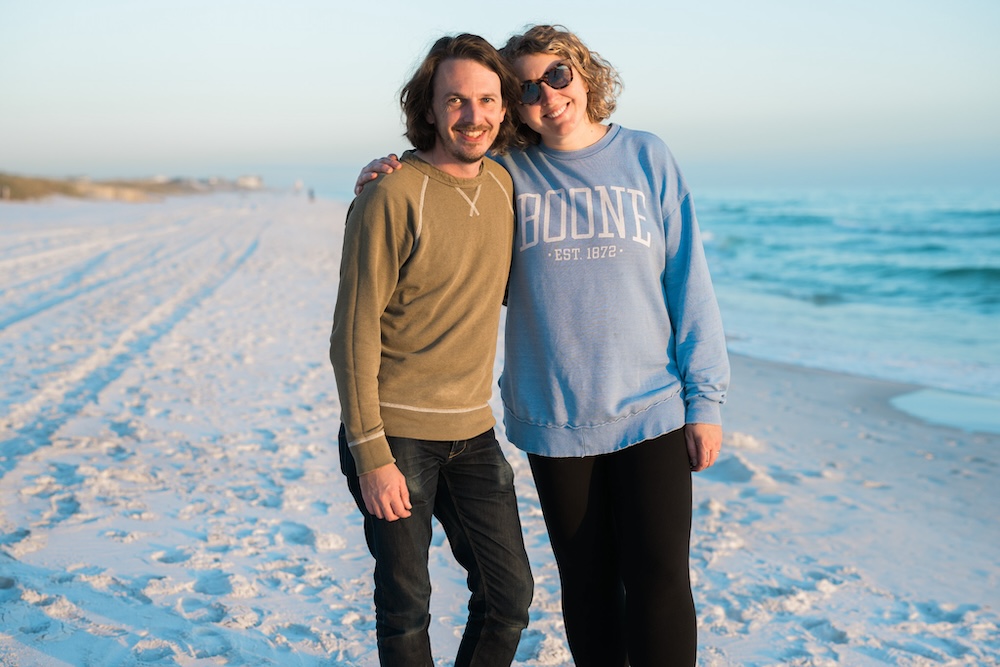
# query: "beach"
[[170, 491]]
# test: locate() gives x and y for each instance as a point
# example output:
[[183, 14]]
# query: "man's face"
[[467, 111]]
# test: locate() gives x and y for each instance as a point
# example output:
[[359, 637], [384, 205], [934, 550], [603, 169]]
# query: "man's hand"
[[704, 441], [382, 165], [385, 493]]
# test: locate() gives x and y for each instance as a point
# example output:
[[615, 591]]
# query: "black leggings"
[[620, 528]]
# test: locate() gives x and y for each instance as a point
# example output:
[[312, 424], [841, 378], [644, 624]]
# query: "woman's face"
[[560, 116]]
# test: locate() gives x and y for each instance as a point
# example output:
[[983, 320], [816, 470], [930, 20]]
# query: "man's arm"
[[368, 277]]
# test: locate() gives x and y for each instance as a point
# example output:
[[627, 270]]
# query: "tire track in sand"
[[73, 284], [37, 419]]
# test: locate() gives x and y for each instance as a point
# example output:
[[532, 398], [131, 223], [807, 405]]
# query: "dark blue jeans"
[[469, 486]]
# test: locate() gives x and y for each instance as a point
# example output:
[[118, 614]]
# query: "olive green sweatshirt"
[[422, 278]]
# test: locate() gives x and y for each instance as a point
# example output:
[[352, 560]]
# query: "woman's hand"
[[382, 165], [704, 442]]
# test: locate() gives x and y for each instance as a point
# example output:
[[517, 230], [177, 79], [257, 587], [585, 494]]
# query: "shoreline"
[[964, 412]]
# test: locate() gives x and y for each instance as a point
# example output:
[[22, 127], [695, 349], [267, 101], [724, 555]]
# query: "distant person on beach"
[[615, 359], [424, 269]]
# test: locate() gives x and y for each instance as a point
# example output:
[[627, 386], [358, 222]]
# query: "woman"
[[615, 363]]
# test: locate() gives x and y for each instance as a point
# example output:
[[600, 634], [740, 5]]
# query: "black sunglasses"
[[556, 78]]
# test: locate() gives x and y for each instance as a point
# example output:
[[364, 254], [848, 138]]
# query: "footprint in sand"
[[214, 583], [62, 507], [172, 556], [825, 631], [14, 537], [297, 533], [152, 651], [8, 590], [200, 611], [297, 632], [736, 469]]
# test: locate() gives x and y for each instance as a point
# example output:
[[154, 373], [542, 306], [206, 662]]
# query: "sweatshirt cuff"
[[371, 454], [703, 411]]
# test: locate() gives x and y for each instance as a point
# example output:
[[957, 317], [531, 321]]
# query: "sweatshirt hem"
[[577, 441]]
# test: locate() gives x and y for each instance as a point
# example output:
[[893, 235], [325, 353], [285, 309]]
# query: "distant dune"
[[26, 187]]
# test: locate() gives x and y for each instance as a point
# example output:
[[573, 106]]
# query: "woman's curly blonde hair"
[[601, 78]]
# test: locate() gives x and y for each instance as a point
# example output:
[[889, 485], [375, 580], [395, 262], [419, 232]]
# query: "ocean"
[[901, 286]]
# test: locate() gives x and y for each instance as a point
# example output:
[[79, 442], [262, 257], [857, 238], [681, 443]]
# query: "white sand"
[[170, 492]]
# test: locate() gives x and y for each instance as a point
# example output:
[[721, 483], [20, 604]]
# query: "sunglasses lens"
[[556, 78], [560, 77], [531, 92]]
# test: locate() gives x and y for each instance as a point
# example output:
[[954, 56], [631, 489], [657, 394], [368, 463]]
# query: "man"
[[426, 256]]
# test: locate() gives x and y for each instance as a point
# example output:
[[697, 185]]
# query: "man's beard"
[[454, 147]]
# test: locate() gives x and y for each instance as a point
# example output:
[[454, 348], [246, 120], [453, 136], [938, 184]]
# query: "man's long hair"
[[417, 96]]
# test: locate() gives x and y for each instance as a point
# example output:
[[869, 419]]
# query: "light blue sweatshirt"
[[613, 331]]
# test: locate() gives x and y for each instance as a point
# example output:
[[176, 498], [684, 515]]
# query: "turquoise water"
[[896, 285]]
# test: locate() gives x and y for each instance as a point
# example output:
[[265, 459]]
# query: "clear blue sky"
[[774, 92]]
